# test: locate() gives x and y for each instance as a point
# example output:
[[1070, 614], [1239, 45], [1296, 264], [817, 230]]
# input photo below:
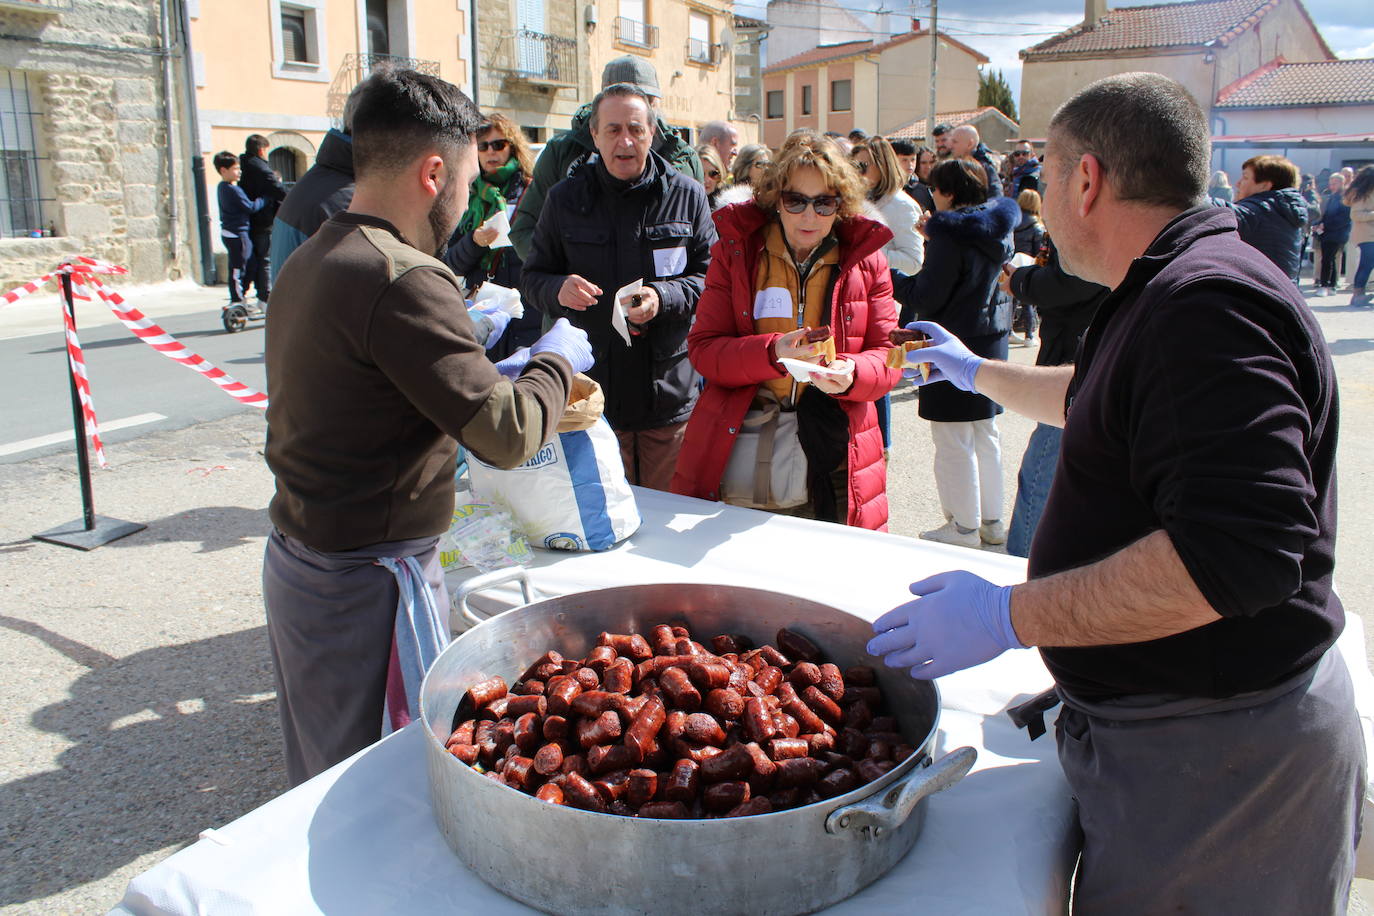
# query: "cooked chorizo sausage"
[[752, 806], [641, 787], [548, 658], [562, 690], [582, 794], [702, 728], [619, 676], [670, 810], [548, 759], [757, 721], [823, 706], [832, 682], [733, 763], [678, 686], [797, 646], [644, 728], [550, 793], [683, 782], [722, 796], [797, 771], [527, 733], [519, 706], [604, 729], [465, 752], [724, 703], [787, 748]]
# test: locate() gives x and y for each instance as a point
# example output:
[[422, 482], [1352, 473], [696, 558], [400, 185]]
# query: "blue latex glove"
[[513, 365], [950, 360], [495, 321], [569, 342], [960, 620]]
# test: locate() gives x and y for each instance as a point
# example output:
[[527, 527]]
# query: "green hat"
[[634, 70]]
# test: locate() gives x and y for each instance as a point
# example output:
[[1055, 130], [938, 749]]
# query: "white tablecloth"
[[361, 837]]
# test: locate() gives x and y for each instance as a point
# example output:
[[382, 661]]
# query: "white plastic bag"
[[573, 494], [484, 536]]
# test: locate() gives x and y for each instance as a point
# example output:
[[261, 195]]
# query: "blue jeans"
[[1366, 265], [1033, 487]]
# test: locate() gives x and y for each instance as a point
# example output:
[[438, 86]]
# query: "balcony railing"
[[634, 32], [366, 63], [703, 52], [548, 59], [357, 66]]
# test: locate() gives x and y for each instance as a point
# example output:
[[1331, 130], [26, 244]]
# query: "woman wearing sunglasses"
[[968, 239], [750, 165], [797, 256], [713, 176], [505, 164]]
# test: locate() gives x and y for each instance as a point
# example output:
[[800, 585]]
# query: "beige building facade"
[[534, 62], [689, 42], [1204, 45], [89, 125], [877, 87], [282, 68]]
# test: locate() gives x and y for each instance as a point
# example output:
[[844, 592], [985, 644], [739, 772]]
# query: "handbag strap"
[[763, 458]]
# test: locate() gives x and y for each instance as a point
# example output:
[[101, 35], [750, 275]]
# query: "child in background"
[[235, 207], [1028, 238]]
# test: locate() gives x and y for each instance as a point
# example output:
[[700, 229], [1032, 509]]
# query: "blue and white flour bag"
[[573, 494]]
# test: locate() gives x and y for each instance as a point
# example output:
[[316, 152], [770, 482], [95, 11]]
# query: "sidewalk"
[[41, 312], [139, 703]]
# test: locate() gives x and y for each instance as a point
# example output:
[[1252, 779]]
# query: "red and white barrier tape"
[[83, 388], [154, 336], [83, 271]]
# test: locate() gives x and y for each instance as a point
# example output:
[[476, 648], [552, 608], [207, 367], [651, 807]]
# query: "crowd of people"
[[737, 306]]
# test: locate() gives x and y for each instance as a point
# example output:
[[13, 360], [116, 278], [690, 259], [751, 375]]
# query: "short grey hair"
[[622, 91], [1146, 131], [712, 131]]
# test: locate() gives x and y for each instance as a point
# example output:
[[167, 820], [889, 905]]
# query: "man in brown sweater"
[[374, 370]]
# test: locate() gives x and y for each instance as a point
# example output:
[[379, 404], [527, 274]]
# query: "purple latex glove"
[[513, 365], [950, 361], [569, 342], [493, 320], [959, 620]]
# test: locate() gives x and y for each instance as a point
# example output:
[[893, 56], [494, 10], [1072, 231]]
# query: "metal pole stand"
[[91, 530]]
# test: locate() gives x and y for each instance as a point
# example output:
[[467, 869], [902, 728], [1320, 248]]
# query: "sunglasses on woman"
[[498, 145], [823, 204], [861, 166], [713, 174]]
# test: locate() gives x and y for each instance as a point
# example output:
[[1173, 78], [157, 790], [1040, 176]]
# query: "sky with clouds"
[[999, 29]]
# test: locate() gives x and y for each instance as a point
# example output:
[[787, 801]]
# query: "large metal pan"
[[564, 860]]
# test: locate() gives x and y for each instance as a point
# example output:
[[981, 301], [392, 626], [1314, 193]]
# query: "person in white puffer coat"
[[879, 167]]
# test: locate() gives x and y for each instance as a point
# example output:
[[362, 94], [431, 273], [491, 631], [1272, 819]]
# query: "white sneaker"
[[949, 533], [1016, 340], [993, 532]]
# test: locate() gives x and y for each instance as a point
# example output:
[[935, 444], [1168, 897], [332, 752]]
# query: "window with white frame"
[[298, 39], [699, 47], [632, 25], [24, 205], [806, 100]]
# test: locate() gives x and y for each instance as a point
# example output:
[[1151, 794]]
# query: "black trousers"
[[240, 248], [261, 270], [1331, 252]]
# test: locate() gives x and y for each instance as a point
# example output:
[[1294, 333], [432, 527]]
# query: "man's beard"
[[441, 218]]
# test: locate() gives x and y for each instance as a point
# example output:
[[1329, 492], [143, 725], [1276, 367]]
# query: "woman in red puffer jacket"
[[797, 256]]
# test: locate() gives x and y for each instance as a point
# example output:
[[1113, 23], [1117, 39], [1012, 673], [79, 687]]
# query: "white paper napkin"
[[801, 370], [501, 223], [618, 320]]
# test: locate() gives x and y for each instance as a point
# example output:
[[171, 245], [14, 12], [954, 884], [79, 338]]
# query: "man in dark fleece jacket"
[[1270, 212], [565, 154], [1180, 583], [326, 189], [628, 215], [374, 370]]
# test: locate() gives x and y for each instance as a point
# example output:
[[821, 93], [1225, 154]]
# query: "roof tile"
[[1192, 23], [1323, 82], [916, 130]]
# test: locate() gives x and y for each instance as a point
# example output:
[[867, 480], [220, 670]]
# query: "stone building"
[[89, 139], [535, 64]]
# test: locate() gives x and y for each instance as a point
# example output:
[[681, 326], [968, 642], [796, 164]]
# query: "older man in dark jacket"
[[1270, 211], [626, 216]]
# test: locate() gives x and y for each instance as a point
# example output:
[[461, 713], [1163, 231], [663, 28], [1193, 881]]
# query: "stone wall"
[[95, 78]]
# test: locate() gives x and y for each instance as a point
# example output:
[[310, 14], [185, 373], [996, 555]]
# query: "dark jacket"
[[957, 287], [236, 208], [984, 157], [260, 182], [611, 233], [1025, 177], [565, 153], [464, 256], [1204, 404], [919, 191], [1335, 220], [1064, 302], [326, 189], [1273, 222], [1029, 235]]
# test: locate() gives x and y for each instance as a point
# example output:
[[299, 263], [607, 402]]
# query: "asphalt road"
[[130, 381]]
